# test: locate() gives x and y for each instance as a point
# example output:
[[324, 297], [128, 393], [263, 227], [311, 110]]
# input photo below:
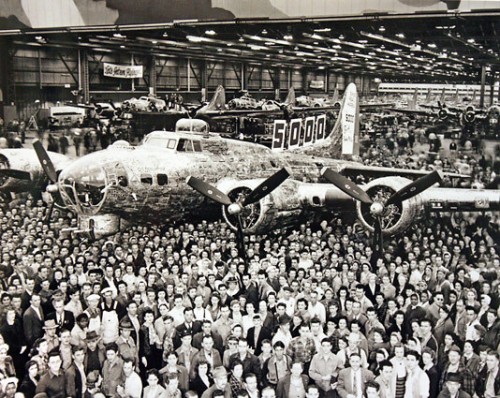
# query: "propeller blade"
[[208, 190], [12, 173], [378, 243], [347, 186], [240, 240], [416, 187], [46, 163], [267, 186], [49, 213]]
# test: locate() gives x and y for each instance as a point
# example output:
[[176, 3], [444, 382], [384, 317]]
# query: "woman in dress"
[[202, 381]]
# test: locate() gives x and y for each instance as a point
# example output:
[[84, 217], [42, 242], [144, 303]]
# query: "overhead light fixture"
[[195, 39], [381, 28], [210, 32], [118, 35], [400, 35], [341, 37], [241, 39], [165, 34], [288, 37], [431, 45], [219, 49], [264, 31], [122, 46], [154, 42], [322, 30], [471, 40]]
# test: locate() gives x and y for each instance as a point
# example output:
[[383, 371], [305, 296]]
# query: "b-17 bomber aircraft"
[[186, 173]]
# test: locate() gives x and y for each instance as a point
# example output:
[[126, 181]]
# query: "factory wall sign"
[[317, 84], [123, 71]]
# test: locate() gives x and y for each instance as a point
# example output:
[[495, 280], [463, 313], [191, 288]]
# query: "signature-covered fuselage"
[[149, 181]]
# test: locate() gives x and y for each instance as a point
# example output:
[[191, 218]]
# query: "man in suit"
[[189, 325], [250, 290], [33, 319], [250, 362], [488, 381], [206, 329], [208, 353], [257, 334], [64, 319], [417, 382], [285, 386], [351, 382]]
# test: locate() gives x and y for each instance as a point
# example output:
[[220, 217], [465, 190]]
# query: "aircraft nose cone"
[[376, 208], [234, 208]]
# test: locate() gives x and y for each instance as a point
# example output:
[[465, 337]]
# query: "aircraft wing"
[[418, 112], [376, 171], [458, 199]]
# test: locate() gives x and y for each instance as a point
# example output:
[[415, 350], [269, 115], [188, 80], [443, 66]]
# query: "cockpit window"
[[197, 146], [185, 145], [171, 144], [147, 179], [162, 179]]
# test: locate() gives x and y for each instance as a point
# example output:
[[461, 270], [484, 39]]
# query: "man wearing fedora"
[[50, 327], [452, 387], [94, 356], [125, 342]]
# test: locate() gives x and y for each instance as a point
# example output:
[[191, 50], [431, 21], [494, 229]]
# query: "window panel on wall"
[[232, 81], [297, 81], [284, 84]]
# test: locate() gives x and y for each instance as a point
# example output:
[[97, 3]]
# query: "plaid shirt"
[[301, 351], [468, 379]]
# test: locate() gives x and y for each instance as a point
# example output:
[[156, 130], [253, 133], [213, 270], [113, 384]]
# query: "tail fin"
[[456, 98], [441, 99], [218, 101], [335, 96], [343, 138], [290, 98], [412, 104], [428, 97]]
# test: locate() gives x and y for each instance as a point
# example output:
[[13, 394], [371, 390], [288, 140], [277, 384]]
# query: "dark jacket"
[[264, 334], [284, 386], [481, 380]]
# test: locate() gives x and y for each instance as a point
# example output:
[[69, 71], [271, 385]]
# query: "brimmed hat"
[[50, 324], [93, 297], [92, 335], [106, 290], [9, 380], [454, 377], [125, 324]]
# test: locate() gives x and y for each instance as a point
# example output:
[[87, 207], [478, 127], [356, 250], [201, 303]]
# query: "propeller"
[[377, 208], [50, 172], [235, 207]]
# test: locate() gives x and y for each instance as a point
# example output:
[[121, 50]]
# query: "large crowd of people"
[[176, 311]]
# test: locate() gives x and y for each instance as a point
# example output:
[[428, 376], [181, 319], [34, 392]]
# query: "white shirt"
[[133, 386]]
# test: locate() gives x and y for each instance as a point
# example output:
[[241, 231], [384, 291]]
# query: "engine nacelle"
[[395, 218], [278, 209]]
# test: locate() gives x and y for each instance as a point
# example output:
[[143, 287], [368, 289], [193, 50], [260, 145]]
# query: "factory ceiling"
[[433, 46]]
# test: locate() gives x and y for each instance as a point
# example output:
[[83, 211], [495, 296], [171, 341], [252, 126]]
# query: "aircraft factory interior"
[[250, 199]]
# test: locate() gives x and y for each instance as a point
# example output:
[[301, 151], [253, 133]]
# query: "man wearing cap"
[[189, 325], [125, 342], [111, 312], [455, 366], [50, 335], [93, 312], [220, 383], [453, 390], [94, 356]]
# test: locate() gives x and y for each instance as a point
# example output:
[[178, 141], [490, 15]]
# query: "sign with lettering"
[[123, 71], [298, 132]]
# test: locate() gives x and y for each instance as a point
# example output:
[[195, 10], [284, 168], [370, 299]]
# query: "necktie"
[[355, 384]]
